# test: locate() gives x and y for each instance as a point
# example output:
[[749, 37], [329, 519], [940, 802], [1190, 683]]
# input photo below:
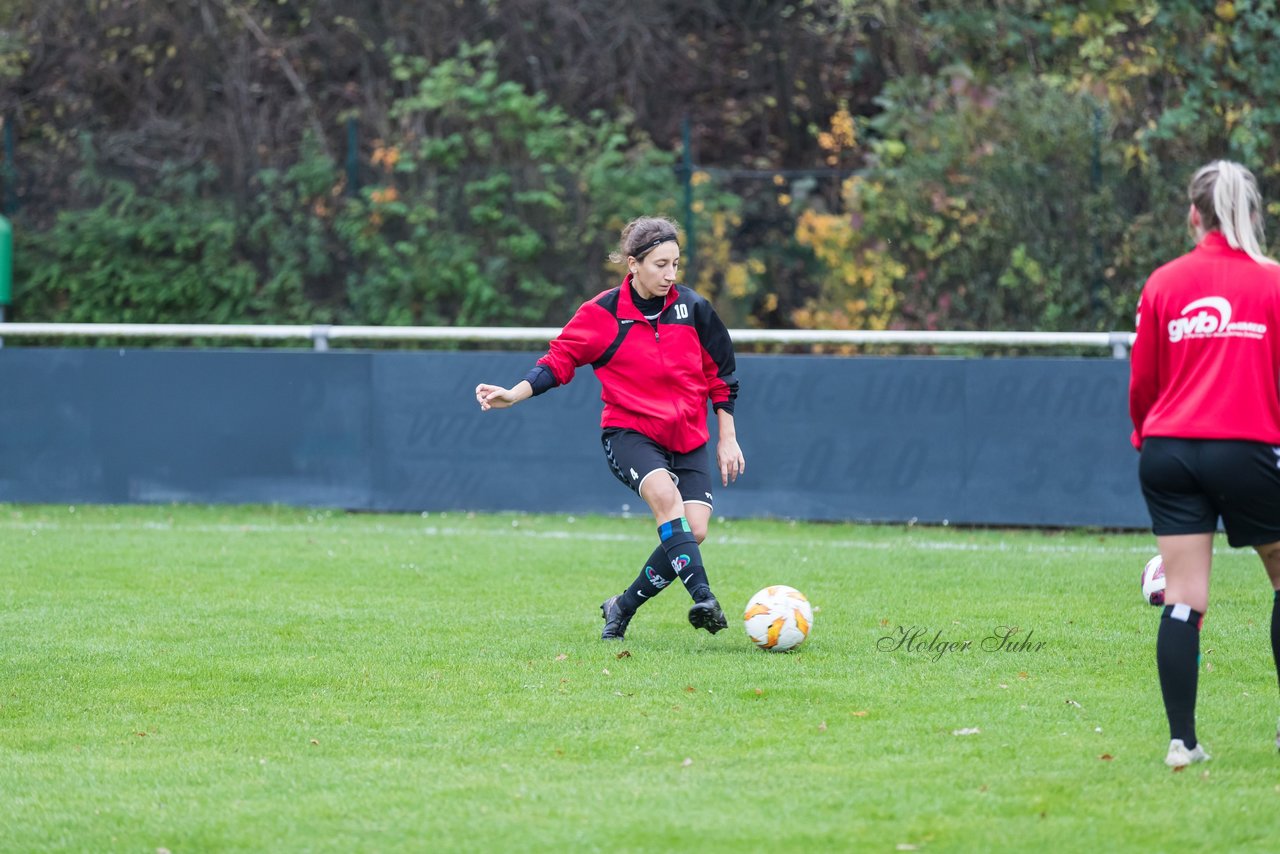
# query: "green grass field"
[[250, 679]]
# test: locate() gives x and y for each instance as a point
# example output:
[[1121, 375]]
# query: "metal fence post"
[[6, 267], [353, 158], [690, 227], [9, 172], [1119, 344]]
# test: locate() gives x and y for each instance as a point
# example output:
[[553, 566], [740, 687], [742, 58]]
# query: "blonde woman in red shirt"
[[1205, 403]]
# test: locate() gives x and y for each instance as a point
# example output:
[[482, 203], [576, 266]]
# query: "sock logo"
[[656, 580], [680, 563]]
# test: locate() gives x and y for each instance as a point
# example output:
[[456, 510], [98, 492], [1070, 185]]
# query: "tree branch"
[[286, 67]]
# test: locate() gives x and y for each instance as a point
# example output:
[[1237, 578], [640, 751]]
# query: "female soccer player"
[[1206, 414], [660, 352]]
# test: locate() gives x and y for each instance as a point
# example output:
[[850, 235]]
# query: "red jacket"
[[655, 379], [1206, 361]]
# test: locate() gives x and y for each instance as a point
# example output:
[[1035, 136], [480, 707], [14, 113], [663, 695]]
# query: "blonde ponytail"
[[1226, 195]]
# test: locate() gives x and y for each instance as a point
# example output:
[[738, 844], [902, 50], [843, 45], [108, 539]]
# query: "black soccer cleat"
[[615, 621], [707, 615]]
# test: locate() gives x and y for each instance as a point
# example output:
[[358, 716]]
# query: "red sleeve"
[[583, 340], [1144, 368]]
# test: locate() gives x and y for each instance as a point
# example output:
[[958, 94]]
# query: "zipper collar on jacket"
[[1215, 241], [626, 306]]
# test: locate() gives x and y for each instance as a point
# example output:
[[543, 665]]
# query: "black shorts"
[[1190, 483], [634, 456]]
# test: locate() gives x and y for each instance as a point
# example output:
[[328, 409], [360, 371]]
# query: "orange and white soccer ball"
[[778, 618]]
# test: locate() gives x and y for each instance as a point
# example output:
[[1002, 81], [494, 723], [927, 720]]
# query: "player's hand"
[[732, 463], [493, 397]]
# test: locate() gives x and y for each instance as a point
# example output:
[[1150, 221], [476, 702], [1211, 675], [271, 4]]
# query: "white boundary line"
[[731, 540]]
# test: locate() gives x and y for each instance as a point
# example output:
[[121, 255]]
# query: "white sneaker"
[[1180, 756]]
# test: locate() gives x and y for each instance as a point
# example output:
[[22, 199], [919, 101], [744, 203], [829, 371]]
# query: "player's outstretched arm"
[[497, 397]]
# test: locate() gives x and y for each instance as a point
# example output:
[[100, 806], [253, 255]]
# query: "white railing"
[[320, 335]]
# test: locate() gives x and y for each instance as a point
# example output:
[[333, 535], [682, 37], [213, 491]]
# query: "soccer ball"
[[778, 618], [1153, 581]]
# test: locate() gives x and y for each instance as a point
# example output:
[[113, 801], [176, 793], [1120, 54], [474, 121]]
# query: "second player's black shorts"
[[633, 456], [1190, 483]]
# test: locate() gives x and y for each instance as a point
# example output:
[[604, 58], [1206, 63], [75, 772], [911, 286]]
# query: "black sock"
[[1178, 662], [657, 574], [1275, 632], [681, 549]]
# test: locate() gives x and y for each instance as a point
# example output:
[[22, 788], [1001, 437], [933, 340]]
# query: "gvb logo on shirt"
[[1210, 317]]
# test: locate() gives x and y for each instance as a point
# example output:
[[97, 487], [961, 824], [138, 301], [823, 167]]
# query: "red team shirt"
[[655, 379], [1206, 360]]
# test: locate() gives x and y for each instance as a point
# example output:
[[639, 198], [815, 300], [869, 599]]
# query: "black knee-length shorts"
[[633, 456], [1190, 483]]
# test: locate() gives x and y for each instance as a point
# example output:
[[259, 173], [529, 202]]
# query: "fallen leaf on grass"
[[969, 730], [1071, 702], [626, 653], [907, 846], [822, 727], [689, 689], [759, 692], [686, 763], [860, 714], [1106, 757], [605, 671], [561, 657], [314, 741]]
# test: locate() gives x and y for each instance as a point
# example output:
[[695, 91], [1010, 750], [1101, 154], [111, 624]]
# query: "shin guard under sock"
[[657, 574], [1178, 662], [682, 552], [1275, 632]]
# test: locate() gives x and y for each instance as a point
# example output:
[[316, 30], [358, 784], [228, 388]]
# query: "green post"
[[690, 229], [353, 158], [1095, 187], [8, 175], [6, 265]]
